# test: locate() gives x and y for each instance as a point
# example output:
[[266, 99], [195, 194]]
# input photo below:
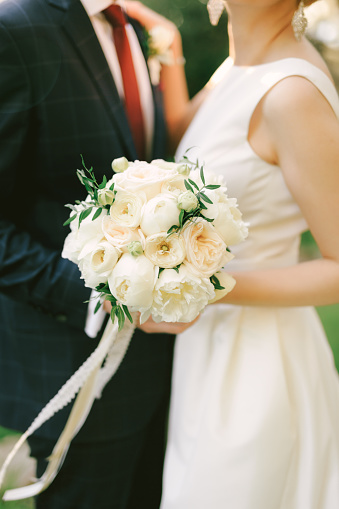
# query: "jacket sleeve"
[[29, 271]]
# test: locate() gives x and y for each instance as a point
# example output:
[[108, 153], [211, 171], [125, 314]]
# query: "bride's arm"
[[304, 141], [179, 110]]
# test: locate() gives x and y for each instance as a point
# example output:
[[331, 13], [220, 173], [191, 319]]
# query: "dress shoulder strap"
[[274, 72]]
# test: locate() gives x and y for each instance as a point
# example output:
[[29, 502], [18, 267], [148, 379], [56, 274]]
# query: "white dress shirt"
[[103, 30]]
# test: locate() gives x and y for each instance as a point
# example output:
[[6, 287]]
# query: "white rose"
[[205, 250], [180, 296], [132, 281], [160, 213], [89, 233], [120, 164], [141, 176], [118, 236], [166, 251], [187, 201], [97, 266], [180, 168], [127, 208], [227, 219]]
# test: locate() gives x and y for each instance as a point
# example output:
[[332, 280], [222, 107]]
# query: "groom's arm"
[[29, 271]]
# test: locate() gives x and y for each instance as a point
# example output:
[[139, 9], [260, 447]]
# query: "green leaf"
[[97, 214], [113, 314], [97, 307], [85, 213], [205, 198], [193, 184], [181, 216], [69, 220], [216, 283], [112, 187], [103, 183], [172, 229], [121, 317], [202, 205], [208, 219], [188, 186], [202, 176], [127, 313], [212, 186]]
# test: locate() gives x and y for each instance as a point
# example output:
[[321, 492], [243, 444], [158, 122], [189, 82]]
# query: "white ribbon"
[[88, 381]]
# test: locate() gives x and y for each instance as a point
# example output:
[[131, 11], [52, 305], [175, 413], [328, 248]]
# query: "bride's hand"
[[152, 327], [146, 16]]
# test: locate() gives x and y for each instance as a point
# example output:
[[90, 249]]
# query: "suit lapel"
[[80, 31]]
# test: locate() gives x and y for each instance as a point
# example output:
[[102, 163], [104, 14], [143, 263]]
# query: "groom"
[[62, 94]]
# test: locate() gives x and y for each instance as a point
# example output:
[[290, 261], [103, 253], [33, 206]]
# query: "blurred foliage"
[[205, 46]]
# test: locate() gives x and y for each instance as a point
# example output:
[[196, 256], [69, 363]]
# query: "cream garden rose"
[[227, 218], [119, 236], [166, 251], [127, 208], [142, 176], [205, 250]]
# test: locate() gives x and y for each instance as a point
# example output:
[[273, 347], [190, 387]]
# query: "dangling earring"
[[215, 9], [299, 21]]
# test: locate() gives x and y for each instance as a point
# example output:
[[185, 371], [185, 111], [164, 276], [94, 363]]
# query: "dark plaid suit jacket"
[[57, 101]]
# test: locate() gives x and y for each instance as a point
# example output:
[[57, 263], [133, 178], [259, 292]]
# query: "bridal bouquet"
[[153, 238]]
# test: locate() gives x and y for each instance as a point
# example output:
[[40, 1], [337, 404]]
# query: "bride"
[[254, 419]]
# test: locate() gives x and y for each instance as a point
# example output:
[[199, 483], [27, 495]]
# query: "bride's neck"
[[259, 34]]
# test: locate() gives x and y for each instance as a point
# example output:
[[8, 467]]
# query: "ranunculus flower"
[[105, 196], [180, 296], [141, 176], [97, 265], [89, 233], [127, 208], [118, 236], [120, 164], [187, 201], [135, 248], [132, 281], [166, 251], [205, 250], [160, 213], [227, 218]]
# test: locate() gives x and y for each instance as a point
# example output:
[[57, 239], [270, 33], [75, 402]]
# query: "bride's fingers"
[[165, 327]]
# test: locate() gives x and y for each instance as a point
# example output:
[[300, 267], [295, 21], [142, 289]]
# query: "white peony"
[[119, 236], [127, 208], [160, 213], [97, 265], [132, 281], [166, 251], [205, 250], [180, 296], [142, 176]]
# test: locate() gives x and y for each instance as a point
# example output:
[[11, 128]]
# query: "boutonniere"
[[159, 41]]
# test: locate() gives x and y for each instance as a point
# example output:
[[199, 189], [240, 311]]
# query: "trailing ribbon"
[[88, 381]]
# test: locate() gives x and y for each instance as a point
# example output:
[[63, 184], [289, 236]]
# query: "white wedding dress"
[[254, 419]]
